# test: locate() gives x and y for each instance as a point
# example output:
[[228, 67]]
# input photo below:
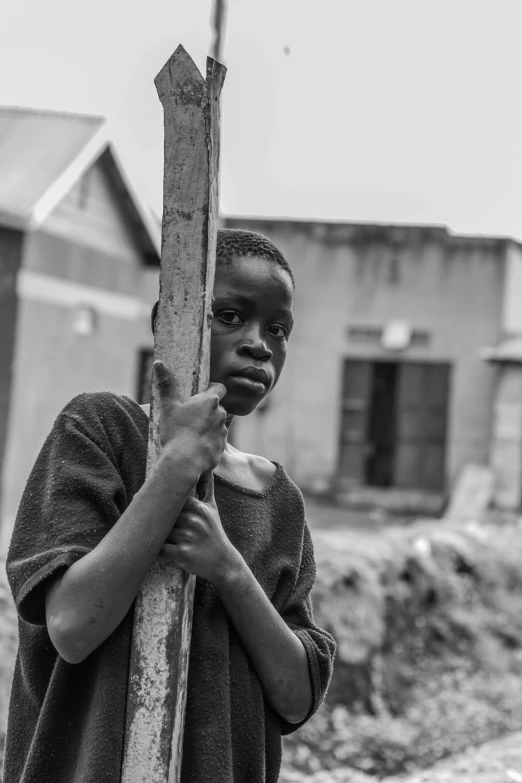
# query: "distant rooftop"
[[43, 153], [353, 232], [36, 147]]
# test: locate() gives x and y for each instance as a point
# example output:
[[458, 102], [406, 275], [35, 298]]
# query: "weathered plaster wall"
[[512, 307], [84, 256], [53, 363], [366, 275]]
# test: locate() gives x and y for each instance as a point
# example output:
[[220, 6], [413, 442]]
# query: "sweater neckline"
[[255, 493]]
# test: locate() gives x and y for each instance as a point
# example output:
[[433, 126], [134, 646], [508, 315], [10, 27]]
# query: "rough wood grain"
[[163, 610]]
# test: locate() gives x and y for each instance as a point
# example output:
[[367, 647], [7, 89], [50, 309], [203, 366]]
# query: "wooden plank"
[[163, 609]]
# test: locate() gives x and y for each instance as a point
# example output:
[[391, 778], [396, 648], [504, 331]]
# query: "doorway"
[[393, 424]]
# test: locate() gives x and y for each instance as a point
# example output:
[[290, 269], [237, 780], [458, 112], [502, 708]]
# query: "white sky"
[[384, 110]]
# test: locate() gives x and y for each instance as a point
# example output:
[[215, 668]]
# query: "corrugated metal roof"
[[36, 147]]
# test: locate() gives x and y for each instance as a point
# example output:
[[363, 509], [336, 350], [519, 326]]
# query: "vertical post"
[[218, 22], [163, 608], [506, 438]]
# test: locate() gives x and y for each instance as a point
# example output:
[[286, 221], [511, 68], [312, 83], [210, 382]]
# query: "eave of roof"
[[365, 230], [29, 215], [508, 352]]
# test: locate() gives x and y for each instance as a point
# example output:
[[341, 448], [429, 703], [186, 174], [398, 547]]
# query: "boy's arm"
[[277, 654], [87, 603]]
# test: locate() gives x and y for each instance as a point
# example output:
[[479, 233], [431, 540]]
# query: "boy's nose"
[[257, 348]]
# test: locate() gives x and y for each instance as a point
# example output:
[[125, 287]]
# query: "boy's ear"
[[153, 316]]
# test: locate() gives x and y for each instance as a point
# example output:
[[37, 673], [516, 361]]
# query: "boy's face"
[[253, 299]]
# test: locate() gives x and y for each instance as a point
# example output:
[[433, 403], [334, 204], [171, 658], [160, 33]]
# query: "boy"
[[89, 528]]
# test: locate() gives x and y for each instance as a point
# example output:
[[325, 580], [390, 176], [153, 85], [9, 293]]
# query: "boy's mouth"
[[255, 374], [252, 378], [248, 383]]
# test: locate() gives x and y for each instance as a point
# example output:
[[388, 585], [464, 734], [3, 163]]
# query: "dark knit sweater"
[[66, 721]]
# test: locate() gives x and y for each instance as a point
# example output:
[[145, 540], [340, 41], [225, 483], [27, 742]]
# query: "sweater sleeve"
[[320, 646], [72, 498]]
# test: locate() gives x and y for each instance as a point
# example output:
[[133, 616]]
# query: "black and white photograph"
[[261, 391]]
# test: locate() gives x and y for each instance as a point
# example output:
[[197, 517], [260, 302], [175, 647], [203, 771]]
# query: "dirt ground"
[[321, 515], [497, 761]]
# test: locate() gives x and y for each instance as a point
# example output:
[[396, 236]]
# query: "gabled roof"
[[43, 154]]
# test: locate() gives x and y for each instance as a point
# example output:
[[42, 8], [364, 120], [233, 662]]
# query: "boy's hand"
[[197, 542], [194, 429]]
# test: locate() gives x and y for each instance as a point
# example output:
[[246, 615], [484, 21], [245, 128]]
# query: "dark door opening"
[[393, 424], [380, 451]]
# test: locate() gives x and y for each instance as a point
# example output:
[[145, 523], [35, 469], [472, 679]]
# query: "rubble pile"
[[428, 619]]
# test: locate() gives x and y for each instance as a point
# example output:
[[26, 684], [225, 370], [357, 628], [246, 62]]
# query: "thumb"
[[218, 388], [205, 488], [164, 379]]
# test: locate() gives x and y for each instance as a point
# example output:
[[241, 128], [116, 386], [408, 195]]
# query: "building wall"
[[366, 276], [506, 440], [512, 309], [81, 268]]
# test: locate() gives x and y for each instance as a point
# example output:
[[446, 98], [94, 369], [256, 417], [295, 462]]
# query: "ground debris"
[[498, 761], [428, 619]]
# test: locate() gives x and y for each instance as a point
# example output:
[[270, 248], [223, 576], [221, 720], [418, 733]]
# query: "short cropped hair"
[[235, 243]]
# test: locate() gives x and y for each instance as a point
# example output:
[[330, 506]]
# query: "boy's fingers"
[[162, 374], [165, 379], [191, 503], [205, 488], [167, 383], [217, 388]]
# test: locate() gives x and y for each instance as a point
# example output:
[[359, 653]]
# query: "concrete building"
[[387, 394], [79, 256]]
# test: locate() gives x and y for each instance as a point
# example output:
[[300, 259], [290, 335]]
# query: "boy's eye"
[[278, 331], [230, 317]]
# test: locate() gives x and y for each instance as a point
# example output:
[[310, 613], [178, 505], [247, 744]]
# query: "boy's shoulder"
[[96, 406], [104, 416]]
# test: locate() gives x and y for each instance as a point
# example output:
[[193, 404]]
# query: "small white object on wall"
[[396, 335], [84, 323]]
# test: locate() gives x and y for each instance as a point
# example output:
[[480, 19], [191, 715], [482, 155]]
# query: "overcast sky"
[[379, 110]]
